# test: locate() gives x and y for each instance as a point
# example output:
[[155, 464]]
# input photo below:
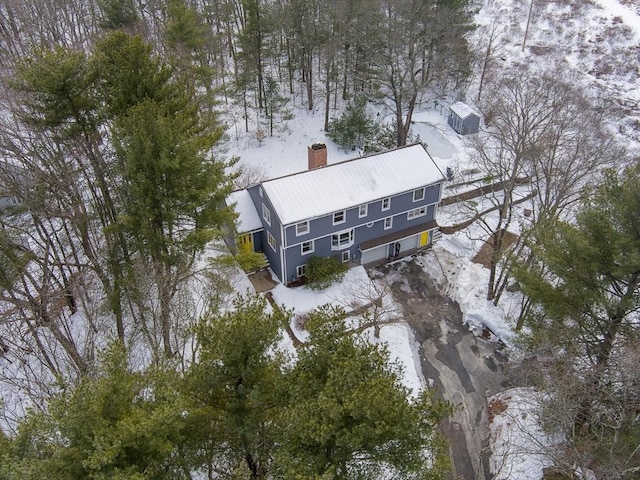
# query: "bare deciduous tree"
[[542, 132]]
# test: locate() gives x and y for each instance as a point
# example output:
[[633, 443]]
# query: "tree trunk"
[[309, 79], [327, 93], [487, 56], [625, 305], [259, 58], [163, 283], [289, 65]]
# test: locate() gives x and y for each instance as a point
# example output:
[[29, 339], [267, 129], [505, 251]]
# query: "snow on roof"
[[462, 110], [339, 186], [248, 219]]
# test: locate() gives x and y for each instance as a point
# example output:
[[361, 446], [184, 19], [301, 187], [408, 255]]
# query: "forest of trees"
[[125, 352]]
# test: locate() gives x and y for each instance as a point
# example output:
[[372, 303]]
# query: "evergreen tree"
[[354, 129], [118, 424], [173, 191], [273, 101], [128, 73], [587, 301], [337, 411], [117, 14], [349, 417], [187, 38], [236, 390]]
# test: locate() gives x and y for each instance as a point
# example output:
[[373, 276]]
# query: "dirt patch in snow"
[[483, 257]]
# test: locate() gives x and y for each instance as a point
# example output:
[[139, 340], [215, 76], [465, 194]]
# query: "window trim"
[[360, 210], [336, 246], [417, 212], [311, 243], [348, 256], [306, 225], [344, 217], [422, 193], [273, 245], [301, 270], [388, 223], [266, 214], [388, 201]]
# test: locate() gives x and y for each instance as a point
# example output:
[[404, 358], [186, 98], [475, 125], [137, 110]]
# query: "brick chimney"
[[317, 155]]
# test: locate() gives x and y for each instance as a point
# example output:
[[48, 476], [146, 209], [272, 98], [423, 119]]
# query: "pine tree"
[[116, 424], [586, 316], [338, 410], [173, 190], [349, 417], [117, 14], [235, 389]]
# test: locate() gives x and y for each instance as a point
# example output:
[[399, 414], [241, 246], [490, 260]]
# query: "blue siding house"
[[361, 211]]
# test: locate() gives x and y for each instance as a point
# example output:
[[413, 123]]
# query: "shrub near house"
[[323, 271]]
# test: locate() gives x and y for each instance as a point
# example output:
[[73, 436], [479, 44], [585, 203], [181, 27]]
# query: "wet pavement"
[[464, 368]]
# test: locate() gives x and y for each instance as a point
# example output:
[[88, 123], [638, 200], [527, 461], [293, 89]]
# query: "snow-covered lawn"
[[397, 337]]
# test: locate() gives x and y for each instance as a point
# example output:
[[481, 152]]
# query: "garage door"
[[409, 243], [374, 254]]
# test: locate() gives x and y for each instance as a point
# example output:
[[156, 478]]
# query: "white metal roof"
[[339, 186], [462, 110], [248, 219]]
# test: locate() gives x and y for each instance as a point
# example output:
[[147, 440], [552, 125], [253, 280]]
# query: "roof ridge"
[[376, 154]]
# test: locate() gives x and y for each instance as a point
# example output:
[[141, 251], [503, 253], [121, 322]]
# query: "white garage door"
[[409, 243], [375, 254]]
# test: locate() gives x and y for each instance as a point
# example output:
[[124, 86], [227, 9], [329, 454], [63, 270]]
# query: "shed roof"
[[248, 218], [339, 186], [462, 110]]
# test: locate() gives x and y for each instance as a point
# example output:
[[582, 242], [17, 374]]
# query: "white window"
[[418, 194], [301, 270], [362, 210], [342, 240], [346, 255], [302, 228], [272, 241], [307, 247], [386, 204], [418, 212], [339, 217], [388, 223], [266, 214]]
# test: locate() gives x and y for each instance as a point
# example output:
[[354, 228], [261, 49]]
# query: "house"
[[463, 119], [362, 211]]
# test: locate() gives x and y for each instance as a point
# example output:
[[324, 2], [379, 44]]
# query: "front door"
[[424, 239], [245, 243]]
